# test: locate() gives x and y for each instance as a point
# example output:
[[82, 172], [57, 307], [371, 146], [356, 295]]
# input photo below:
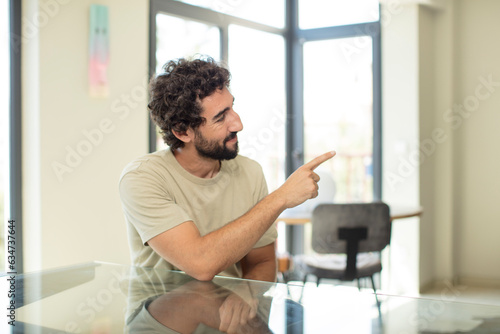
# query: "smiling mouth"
[[231, 137]]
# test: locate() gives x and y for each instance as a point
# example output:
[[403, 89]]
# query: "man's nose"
[[235, 125]]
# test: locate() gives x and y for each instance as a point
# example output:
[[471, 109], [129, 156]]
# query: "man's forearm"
[[263, 271], [231, 243]]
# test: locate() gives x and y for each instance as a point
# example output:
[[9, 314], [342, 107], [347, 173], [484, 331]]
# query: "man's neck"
[[195, 164]]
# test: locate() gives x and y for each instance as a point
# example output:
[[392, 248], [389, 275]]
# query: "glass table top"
[[106, 298]]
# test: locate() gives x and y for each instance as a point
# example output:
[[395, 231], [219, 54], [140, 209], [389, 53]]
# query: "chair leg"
[[359, 286], [373, 285], [303, 286], [317, 281], [376, 297]]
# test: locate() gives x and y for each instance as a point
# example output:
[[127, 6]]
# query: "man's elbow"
[[202, 272], [202, 276]]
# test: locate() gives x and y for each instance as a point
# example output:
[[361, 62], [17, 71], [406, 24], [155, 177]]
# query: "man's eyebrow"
[[220, 113]]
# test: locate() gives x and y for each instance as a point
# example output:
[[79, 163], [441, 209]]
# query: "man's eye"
[[221, 119]]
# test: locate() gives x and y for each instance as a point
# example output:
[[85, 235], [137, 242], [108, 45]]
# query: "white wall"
[[74, 215], [400, 107], [458, 234], [438, 228], [427, 139], [476, 154], [447, 54]]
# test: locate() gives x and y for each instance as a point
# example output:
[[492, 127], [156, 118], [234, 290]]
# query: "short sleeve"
[[147, 204]]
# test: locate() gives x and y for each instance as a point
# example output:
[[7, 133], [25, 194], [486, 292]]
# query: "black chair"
[[348, 239]]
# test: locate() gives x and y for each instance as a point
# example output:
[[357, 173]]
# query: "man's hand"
[[236, 314], [303, 183]]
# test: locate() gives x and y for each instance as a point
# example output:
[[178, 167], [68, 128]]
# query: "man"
[[199, 207]]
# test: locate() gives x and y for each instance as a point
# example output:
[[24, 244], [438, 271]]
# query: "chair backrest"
[[328, 218]]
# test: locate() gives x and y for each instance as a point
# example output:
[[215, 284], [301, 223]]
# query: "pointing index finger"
[[314, 163]]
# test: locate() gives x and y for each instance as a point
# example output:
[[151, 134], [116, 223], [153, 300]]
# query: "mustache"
[[232, 135]]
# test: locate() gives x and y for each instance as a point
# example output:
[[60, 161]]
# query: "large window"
[[306, 80], [338, 114]]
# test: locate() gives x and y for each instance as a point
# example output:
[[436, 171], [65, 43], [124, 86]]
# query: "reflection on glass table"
[[106, 298]]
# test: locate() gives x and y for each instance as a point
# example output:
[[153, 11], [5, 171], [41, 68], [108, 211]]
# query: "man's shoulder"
[[148, 162]]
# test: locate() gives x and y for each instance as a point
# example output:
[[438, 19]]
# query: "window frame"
[[294, 39]]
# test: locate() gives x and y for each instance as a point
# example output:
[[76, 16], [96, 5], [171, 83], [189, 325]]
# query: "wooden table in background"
[[291, 217]]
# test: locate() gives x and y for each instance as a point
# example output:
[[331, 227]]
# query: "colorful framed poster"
[[98, 51]]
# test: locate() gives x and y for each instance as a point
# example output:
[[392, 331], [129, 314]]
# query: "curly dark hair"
[[176, 93]]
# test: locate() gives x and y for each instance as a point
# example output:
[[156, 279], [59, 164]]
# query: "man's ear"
[[184, 136]]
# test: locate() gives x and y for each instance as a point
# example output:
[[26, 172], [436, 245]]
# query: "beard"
[[214, 150]]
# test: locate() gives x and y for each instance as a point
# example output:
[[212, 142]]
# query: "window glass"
[[269, 12], [325, 13], [258, 86], [178, 38], [4, 125], [338, 115]]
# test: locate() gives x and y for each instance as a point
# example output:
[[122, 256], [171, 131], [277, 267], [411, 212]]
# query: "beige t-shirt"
[[157, 194]]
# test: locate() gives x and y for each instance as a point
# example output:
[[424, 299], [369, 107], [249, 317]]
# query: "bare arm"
[[260, 264], [203, 257]]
